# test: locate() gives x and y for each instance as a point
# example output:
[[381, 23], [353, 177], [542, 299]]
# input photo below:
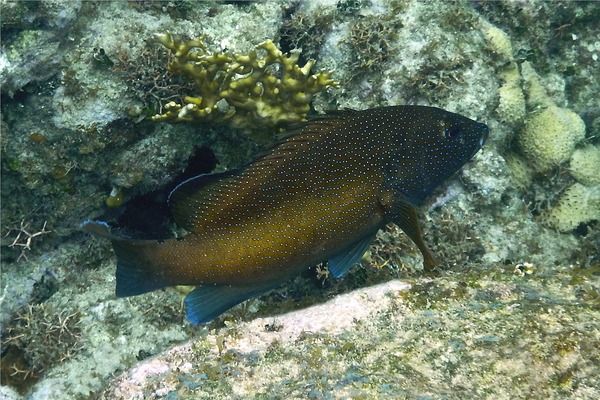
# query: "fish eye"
[[452, 132]]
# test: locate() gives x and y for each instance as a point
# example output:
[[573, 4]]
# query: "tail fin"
[[133, 275]]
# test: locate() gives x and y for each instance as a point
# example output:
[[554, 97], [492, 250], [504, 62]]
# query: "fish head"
[[455, 139], [439, 144]]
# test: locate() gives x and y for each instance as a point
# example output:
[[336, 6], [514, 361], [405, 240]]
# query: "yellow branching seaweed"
[[262, 89]]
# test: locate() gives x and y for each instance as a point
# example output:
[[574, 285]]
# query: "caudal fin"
[[133, 275]]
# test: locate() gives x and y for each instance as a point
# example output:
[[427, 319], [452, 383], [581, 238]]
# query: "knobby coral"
[[262, 89]]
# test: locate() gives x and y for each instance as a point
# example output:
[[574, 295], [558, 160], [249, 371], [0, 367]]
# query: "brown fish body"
[[323, 192], [281, 214]]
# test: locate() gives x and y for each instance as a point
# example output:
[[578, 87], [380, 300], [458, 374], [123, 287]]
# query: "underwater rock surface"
[[515, 313], [378, 342]]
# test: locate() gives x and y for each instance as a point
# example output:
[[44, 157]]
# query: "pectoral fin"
[[401, 212]]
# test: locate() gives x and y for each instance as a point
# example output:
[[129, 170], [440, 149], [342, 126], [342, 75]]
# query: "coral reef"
[[44, 336], [514, 311], [520, 170], [322, 352], [537, 95], [547, 139], [372, 40], [511, 107], [33, 54], [304, 30], [511, 103], [263, 89], [500, 42], [549, 136]]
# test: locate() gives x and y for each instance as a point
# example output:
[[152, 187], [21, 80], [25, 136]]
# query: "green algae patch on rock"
[[549, 137]]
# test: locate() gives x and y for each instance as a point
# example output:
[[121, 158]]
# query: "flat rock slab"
[[161, 375]]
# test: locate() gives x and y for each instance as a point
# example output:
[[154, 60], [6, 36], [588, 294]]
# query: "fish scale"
[[320, 195]]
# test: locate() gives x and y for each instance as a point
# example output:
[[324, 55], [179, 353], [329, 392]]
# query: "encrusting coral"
[[579, 204], [549, 137], [585, 165], [511, 105], [250, 92], [511, 100]]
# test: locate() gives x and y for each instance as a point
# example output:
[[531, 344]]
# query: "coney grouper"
[[320, 195]]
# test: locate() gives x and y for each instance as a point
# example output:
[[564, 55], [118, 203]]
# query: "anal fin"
[[339, 264], [133, 275], [205, 303]]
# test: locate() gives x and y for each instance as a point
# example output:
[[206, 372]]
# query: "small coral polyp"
[[251, 91]]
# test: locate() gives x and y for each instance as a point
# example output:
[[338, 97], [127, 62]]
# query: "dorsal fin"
[[194, 195], [300, 134]]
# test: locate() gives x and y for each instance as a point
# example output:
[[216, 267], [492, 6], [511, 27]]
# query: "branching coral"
[[265, 88], [39, 338], [372, 40]]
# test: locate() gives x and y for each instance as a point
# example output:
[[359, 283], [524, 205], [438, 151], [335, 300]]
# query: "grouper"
[[320, 195]]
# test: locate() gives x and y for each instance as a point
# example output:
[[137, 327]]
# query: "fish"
[[319, 195]]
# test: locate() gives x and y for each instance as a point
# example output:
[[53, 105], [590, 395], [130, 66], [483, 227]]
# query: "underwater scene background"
[[106, 106]]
